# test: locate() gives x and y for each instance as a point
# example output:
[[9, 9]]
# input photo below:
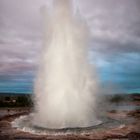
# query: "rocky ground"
[[124, 131]]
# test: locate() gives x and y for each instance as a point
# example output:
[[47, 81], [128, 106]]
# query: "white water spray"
[[66, 87]]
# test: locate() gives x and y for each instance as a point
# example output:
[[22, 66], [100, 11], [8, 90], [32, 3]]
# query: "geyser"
[[66, 86]]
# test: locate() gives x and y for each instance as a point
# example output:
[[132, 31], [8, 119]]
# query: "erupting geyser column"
[[65, 87]]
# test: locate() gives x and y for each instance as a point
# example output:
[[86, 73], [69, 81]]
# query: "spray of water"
[[66, 87]]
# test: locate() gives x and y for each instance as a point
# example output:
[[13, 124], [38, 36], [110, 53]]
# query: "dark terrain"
[[127, 107]]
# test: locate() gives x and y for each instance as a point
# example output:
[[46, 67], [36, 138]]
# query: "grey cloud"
[[114, 26]]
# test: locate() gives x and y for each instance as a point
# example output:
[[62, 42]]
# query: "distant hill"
[[15, 100]]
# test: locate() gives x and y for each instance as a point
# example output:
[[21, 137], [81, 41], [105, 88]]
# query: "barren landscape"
[[123, 123]]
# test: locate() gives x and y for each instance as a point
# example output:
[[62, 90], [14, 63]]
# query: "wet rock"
[[133, 136]]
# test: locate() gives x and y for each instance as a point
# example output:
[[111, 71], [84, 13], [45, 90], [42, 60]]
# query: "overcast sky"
[[114, 46]]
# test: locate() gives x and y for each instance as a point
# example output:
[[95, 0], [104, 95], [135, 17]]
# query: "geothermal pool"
[[24, 123]]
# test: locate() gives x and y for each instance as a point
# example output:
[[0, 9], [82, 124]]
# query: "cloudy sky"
[[114, 46]]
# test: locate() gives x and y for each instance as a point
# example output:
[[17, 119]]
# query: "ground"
[[128, 129]]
